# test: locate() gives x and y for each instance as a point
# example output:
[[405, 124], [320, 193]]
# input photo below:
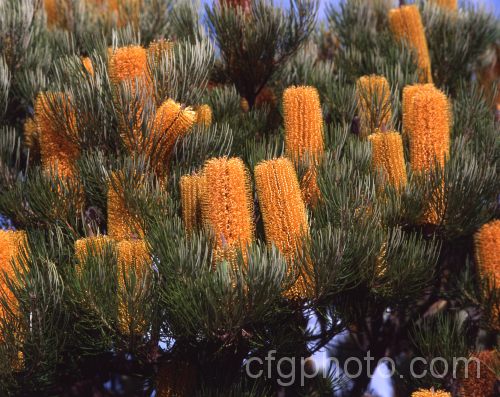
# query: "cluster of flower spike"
[[227, 206], [406, 24], [283, 212], [304, 135], [388, 157], [374, 104]]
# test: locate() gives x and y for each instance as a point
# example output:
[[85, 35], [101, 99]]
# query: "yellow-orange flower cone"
[[406, 24], [87, 245], [133, 258], [388, 157], [283, 212], [227, 207], [56, 121], [190, 186], [487, 364], [374, 104]]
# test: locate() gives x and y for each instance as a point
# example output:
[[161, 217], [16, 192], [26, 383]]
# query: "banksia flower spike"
[[130, 64], [190, 198], [57, 12], [388, 157], [406, 24], [487, 247], [374, 104], [133, 261], [31, 135], [451, 5], [283, 212], [87, 245], [204, 115], [303, 124], [430, 393], [56, 121], [304, 135], [87, 64], [122, 224], [227, 206], [487, 365], [11, 245], [427, 122]]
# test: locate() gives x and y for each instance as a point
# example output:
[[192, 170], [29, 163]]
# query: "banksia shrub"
[[190, 201], [388, 157], [430, 393], [204, 115], [283, 212], [227, 206], [374, 104], [451, 5], [122, 224], [56, 123], [134, 266], [304, 135], [11, 245], [303, 124], [176, 379], [406, 24], [480, 379]]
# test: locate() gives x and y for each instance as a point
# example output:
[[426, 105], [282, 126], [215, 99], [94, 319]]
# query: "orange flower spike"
[[451, 5], [427, 122], [430, 393], [130, 64], [133, 258], [56, 150], [227, 206], [388, 157], [172, 121], [87, 64], [90, 244], [303, 124], [409, 92], [374, 104], [487, 364], [204, 115], [190, 199], [11, 245], [283, 211], [122, 224], [487, 247], [31, 135], [406, 24]]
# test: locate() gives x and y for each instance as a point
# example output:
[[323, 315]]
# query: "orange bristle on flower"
[[190, 201], [388, 157], [487, 247], [409, 92], [430, 393], [374, 104], [451, 5], [227, 206], [11, 245], [309, 188], [204, 115], [92, 245], [406, 24], [130, 64], [303, 124], [56, 123], [134, 262], [481, 376], [283, 212], [122, 224]]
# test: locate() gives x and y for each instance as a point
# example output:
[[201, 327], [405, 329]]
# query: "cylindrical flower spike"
[[406, 24], [303, 124], [427, 123], [430, 393], [92, 245], [87, 64], [11, 245], [487, 247], [227, 206], [122, 224], [56, 120], [283, 212], [451, 5], [171, 122], [487, 365], [134, 263], [388, 157], [57, 12], [204, 115], [190, 198], [130, 64], [374, 104], [176, 379]]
